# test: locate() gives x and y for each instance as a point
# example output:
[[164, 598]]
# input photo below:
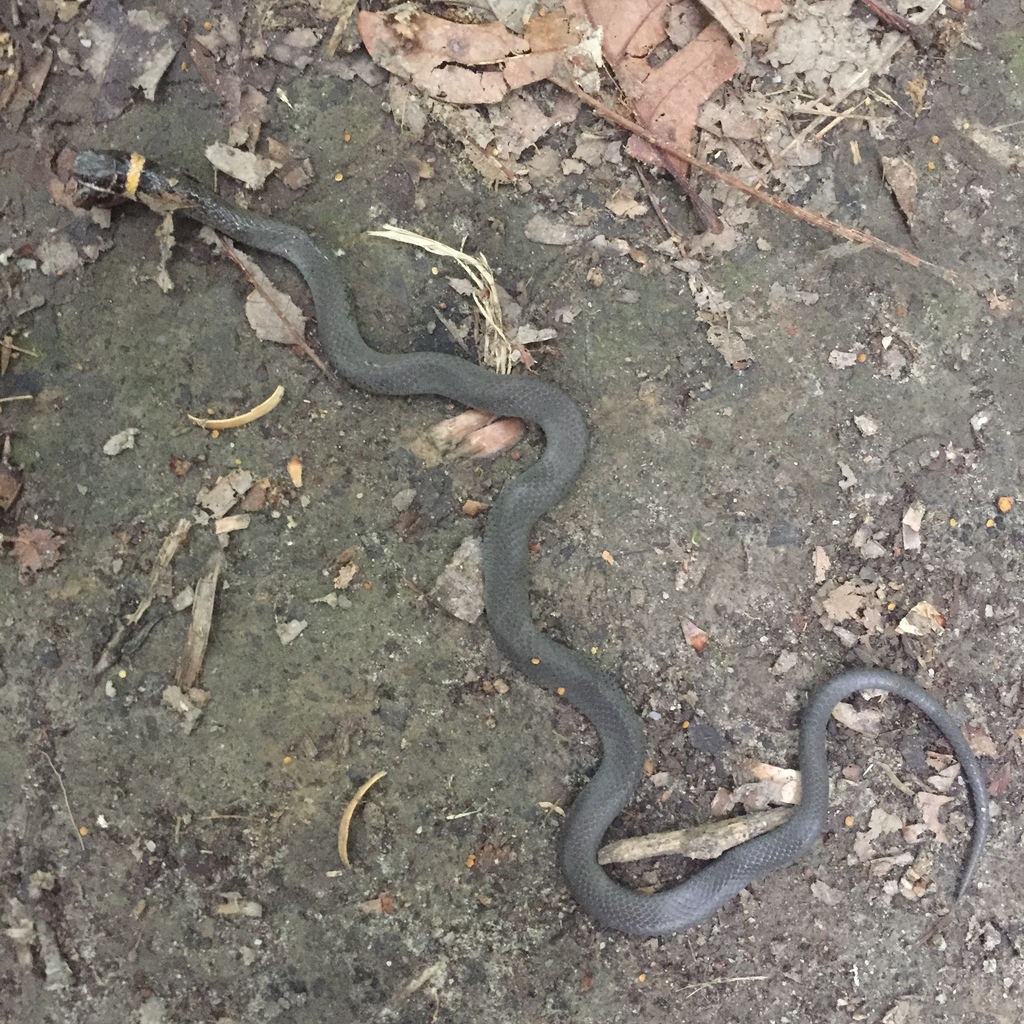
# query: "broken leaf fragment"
[[36, 550], [901, 177], [696, 637], [912, 520], [922, 620]]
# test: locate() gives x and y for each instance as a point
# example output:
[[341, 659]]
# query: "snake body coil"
[[521, 503]]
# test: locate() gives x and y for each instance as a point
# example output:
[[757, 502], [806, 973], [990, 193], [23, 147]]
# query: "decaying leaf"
[[459, 589], [696, 637], [912, 520], [442, 57], [288, 631], [36, 550], [127, 50], [222, 495], [248, 168], [867, 721], [901, 177], [345, 575], [924, 618]]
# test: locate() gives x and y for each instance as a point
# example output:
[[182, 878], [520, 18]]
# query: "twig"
[[857, 235], [670, 228], [67, 803], [692, 990], [887, 16]]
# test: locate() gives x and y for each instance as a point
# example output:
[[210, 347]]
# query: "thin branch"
[[67, 803], [857, 235]]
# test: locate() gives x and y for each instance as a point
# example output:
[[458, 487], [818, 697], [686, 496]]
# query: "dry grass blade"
[[497, 352]]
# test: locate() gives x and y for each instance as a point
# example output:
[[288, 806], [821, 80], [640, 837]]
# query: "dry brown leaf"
[[931, 804], [36, 550], [696, 637], [437, 55], [345, 575], [744, 20], [867, 721]]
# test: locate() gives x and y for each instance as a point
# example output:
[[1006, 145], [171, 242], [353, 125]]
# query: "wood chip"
[[199, 631]]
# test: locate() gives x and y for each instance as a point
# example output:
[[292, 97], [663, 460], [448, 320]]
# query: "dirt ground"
[[711, 489]]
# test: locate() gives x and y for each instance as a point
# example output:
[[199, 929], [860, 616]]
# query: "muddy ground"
[[710, 488]]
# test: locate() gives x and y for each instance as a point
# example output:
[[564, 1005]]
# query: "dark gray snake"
[[110, 176]]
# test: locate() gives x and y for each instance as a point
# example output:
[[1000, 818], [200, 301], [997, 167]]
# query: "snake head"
[[101, 178]]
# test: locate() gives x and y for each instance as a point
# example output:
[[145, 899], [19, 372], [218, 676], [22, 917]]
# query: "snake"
[[104, 178]]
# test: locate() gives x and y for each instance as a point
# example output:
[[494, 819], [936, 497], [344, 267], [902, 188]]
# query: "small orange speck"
[[83, 830], [295, 470], [367, 585], [931, 165], [535, 661], [560, 691], [648, 767], [891, 607], [347, 137], [287, 759], [686, 724], [849, 821], [953, 522], [214, 433], [989, 523], [338, 176], [861, 357], [935, 140], [1004, 504], [207, 25], [641, 978], [184, 65], [515, 456], [434, 271], [901, 310], [608, 557], [470, 860]]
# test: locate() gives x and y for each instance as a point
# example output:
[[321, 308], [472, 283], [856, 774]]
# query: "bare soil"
[[710, 488]]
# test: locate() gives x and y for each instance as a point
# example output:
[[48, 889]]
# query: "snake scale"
[[105, 177]]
